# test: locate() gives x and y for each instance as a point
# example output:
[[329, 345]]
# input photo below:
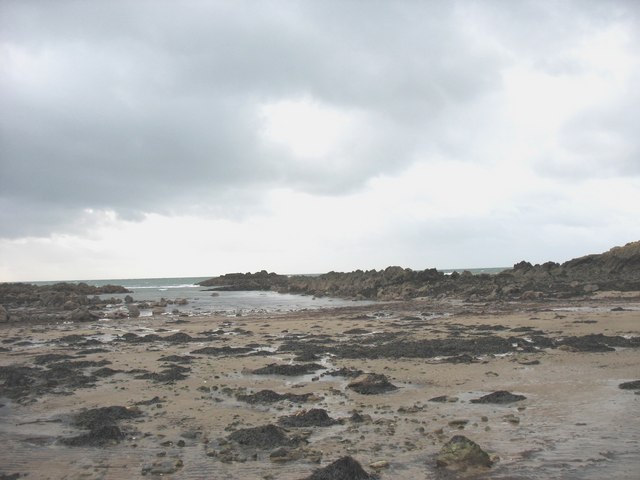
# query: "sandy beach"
[[188, 384]]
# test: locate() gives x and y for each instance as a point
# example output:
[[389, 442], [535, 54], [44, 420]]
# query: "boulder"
[[371, 384], [500, 397], [460, 453], [316, 417], [83, 315], [134, 312], [266, 436], [345, 468], [633, 385]]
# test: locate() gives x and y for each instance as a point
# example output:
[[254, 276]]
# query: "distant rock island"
[[618, 270]]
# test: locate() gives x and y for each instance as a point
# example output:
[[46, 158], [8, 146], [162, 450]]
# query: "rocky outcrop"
[[56, 302], [247, 281], [617, 269]]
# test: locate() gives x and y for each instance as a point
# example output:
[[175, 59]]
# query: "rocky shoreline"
[[440, 386], [615, 270], [415, 389], [618, 269]]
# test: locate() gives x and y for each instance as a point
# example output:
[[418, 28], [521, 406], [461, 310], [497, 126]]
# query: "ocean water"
[[202, 301]]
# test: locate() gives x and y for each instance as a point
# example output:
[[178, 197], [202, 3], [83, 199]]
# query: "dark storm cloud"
[[151, 106]]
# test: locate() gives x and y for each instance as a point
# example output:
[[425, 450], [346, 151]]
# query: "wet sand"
[[574, 423]]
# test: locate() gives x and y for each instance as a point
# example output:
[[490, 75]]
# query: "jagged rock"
[[617, 269], [371, 384], [345, 468], [460, 453], [501, 396], [134, 312], [128, 299]]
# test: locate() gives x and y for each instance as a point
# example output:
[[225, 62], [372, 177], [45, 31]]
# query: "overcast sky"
[[193, 138]]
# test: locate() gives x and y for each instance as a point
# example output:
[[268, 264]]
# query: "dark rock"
[[83, 315], [247, 281], [345, 468], [633, 385], [101, 423], [50, 358], [500, 397], [92, 351], [98, 437], [177, 358], [306, 356], [153, 401], [356, 331], [133, 338], [219, 351], [98, 417], [316, 417], [371, 384], [266, 436], [106, 372], [288, 370], [168, 375], [179, 338], [344, 372], [162, 468], [440, 399], [269, 396], [460, 453], [72, 339], [598, 343], [10, 476]]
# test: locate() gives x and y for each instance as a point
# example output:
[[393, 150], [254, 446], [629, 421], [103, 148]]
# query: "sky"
[[161, 138]]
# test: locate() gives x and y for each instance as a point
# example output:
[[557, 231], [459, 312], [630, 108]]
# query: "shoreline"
[[574, 423]]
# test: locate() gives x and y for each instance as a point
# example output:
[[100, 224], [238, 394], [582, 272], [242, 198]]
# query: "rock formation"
[[617, 269]]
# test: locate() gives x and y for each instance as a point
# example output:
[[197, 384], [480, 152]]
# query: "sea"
[[205, 301]]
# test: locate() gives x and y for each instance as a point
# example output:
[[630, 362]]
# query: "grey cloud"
[[149, 105]]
